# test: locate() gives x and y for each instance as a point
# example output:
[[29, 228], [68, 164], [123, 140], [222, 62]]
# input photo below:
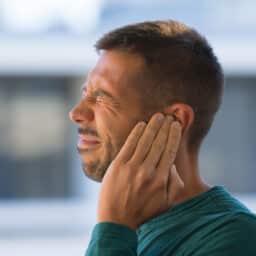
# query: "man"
[[145, 109]]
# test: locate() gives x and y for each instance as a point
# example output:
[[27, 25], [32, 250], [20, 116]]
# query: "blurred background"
[[47, 206]]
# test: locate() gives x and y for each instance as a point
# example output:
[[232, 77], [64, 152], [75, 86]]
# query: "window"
[[35, 135]]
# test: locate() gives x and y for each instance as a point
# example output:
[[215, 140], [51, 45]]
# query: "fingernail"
[[142, 124], [160, 116], [176, 124]]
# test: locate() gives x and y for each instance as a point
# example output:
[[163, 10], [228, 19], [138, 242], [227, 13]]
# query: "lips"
[[88, 142]]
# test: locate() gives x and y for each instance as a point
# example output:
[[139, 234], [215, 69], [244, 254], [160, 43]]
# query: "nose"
[[81, 113]]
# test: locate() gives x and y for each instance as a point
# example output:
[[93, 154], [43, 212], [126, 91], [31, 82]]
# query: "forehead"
[[118, 71]]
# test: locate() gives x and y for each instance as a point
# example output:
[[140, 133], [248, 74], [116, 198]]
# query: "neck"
[[188, 169]]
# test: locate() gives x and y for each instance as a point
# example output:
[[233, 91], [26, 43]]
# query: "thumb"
[[175, 185]]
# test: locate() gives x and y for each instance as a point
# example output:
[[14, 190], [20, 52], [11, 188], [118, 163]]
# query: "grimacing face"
[[109, 108]]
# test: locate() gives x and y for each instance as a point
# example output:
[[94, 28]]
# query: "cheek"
[[121, 129], [106, 124], [110, 132], [114, 126]]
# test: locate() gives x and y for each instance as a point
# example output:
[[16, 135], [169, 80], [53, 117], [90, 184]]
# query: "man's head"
[[149, 67]]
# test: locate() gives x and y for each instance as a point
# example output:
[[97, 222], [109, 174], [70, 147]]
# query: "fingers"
[[131, 142], [153, 144], [158, 145], [171, 148], [147, 138], [173, 141]]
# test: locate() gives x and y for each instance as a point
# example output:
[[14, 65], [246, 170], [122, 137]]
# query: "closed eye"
[[99, 95]]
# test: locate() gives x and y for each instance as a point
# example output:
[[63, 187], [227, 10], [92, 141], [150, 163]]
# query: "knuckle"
[[143, 176], [129, 167], [159, 184]]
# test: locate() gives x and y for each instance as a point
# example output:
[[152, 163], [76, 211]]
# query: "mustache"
[[88, 132]]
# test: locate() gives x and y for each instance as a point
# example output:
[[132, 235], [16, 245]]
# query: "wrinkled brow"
[[99, 91]]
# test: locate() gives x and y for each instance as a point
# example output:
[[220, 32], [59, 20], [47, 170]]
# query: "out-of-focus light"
[[42, 15]]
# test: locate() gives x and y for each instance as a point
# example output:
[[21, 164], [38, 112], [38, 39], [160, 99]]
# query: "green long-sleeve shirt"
[[211, 224]]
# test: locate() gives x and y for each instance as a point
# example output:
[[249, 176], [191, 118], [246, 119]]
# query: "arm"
[[111, 239]]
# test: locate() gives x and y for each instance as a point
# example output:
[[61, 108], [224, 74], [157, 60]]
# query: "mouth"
[[87, 142]]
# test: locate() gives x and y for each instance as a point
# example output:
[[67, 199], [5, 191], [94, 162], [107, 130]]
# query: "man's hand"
[[142, 181]]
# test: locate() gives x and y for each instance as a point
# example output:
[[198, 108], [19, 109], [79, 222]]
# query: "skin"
[[134, 157], [111, 119], [144, 164]]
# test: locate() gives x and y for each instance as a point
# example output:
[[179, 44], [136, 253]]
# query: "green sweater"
[[213, 223]]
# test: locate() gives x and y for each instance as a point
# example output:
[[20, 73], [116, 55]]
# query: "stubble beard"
[[96, 169]]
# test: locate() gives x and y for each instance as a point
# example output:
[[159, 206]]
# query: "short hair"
[[181, 65]]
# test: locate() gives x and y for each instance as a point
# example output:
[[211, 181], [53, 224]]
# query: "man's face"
[[108, 110]]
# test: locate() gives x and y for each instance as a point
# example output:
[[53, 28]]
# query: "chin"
[[95, 166], [95, 174], [94, 177]]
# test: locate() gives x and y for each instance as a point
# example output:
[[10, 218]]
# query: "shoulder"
[[234, 236], [243, 222], [239, 226]]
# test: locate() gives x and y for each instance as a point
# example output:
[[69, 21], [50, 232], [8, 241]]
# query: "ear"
[[182, 113]]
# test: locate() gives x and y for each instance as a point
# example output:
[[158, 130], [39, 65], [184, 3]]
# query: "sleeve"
[[110, 239], [236, 237]]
